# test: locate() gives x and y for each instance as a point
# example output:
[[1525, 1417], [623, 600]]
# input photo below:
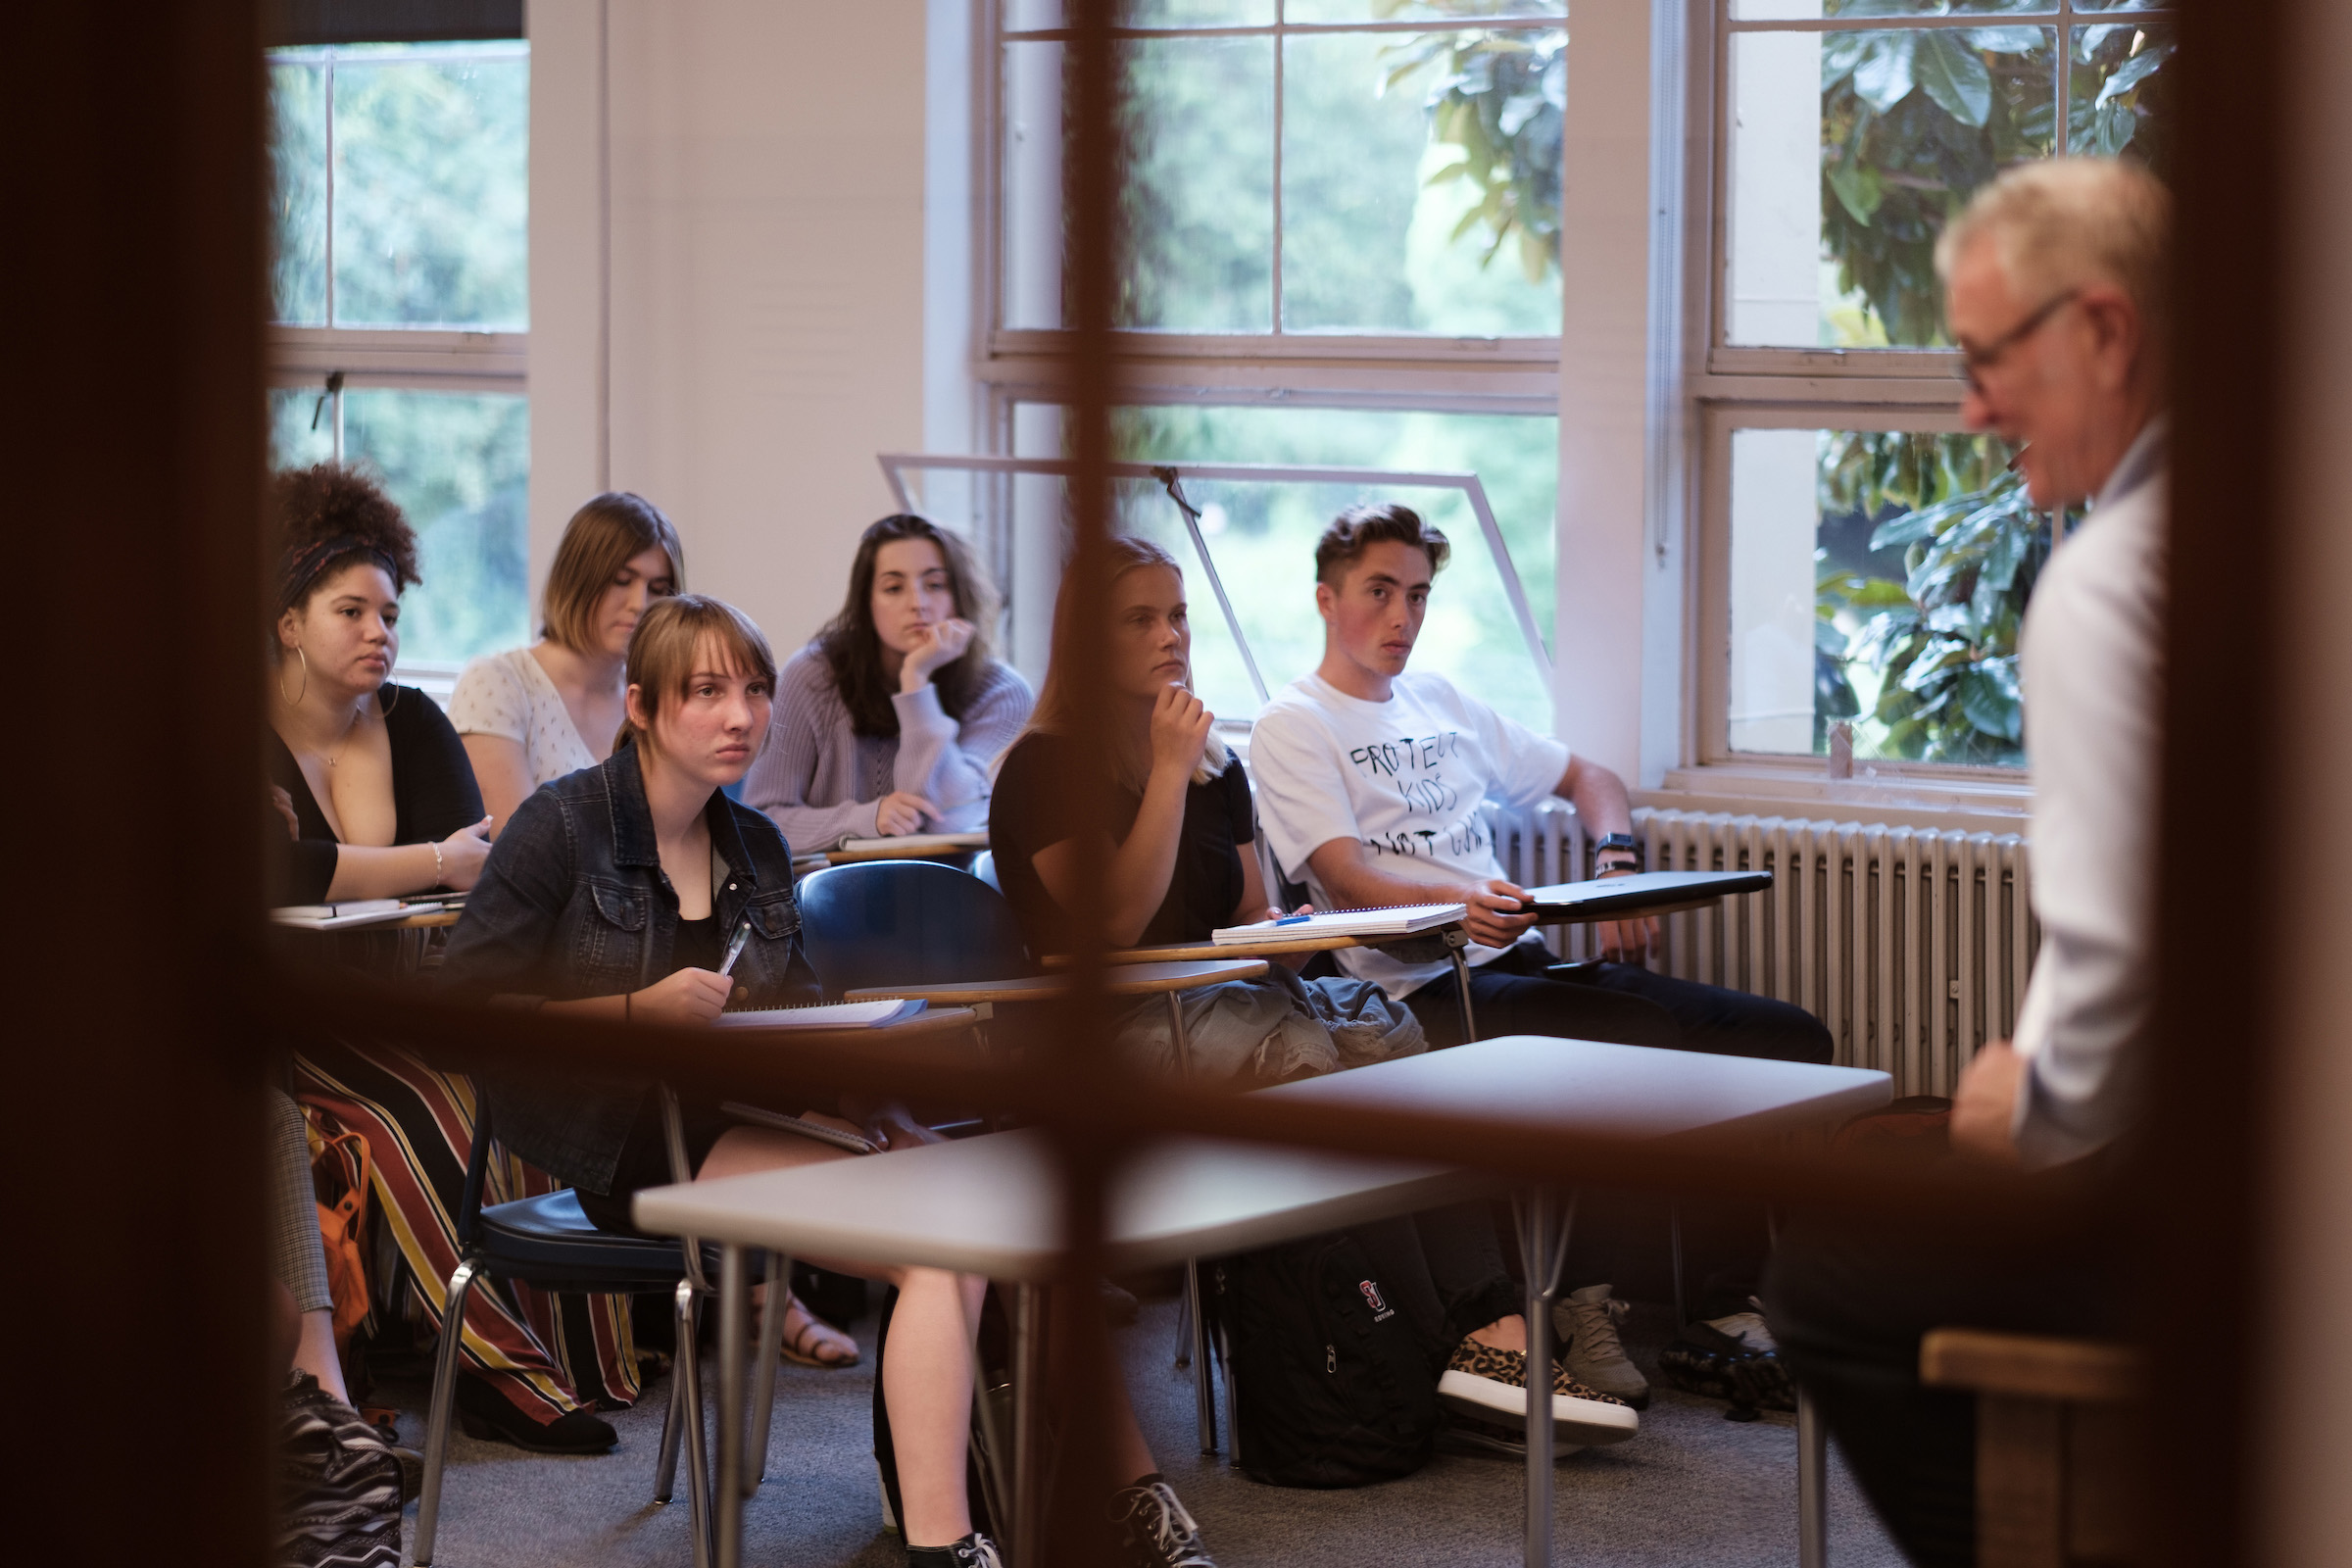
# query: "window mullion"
[[330, 217], [1281, 64], [2060, 134]]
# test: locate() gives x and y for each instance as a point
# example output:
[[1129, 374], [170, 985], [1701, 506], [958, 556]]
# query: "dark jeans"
[[1621, 1002], [1619, 1236], [1849, 1298]]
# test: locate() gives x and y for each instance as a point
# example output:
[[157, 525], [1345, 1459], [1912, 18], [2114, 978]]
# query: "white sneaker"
[[1587, 1322], [1749, 1329]]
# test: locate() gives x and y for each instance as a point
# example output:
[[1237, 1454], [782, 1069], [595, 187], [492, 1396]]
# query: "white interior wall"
[[1775, 519], [757, 275]]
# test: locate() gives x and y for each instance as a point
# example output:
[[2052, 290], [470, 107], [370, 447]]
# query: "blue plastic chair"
[[907, 923]]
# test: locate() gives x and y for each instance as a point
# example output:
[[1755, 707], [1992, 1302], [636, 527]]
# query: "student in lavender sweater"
[[887, 722]]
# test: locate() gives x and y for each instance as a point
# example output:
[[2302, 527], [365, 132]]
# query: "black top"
[[1030, 809], [698, 944], [433, 795]]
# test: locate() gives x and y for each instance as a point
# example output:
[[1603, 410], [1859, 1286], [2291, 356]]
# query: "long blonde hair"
[[1056, 713]]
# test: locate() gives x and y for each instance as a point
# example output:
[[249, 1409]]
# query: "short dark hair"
[[1359, 528]]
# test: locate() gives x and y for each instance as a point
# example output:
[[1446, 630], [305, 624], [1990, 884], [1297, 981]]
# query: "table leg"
[[734, 1302], [1812, 1485], [1184, 1044], [1544, 1225], [764, 1368], [1028, 1425], [1457, 941]]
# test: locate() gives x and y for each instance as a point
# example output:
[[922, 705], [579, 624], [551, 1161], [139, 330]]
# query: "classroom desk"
[[957, 847], [990, 1205], [1169, 980]]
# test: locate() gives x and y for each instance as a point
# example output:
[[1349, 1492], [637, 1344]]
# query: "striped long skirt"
[[550, 1352]]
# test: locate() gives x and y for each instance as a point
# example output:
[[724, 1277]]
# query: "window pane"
[[432, 190], [458, 465], [297, 193], [1199, 197], [2120, 94], [1814, 10], [1878, 579], [1421, 181], [1414, 9], [1022, 16], [1838, 193], [1262, 535]]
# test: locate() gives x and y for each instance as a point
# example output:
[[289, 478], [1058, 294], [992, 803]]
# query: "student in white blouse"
[[2056, 296], [532, 715]]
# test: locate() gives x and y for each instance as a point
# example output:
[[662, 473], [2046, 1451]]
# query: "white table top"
[[988, 1205], [1587, 1086]]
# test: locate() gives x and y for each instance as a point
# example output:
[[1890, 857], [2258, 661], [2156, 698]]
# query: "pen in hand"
[[735, 944]]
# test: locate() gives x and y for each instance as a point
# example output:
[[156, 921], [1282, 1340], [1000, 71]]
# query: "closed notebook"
[[1394, 921], [913, 844], [826, 1015], [349, 913], [1644, 890]]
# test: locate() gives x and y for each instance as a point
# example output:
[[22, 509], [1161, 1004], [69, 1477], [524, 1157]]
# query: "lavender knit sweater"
[[820, 781]]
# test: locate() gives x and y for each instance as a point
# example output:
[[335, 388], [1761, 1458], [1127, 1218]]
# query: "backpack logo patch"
[[1381, 1310]]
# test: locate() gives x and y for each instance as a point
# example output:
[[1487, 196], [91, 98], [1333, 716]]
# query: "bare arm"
[[1139, 868], [502, 769], [369, 871], [1603, 806], [1256, 906], [1351, 875]]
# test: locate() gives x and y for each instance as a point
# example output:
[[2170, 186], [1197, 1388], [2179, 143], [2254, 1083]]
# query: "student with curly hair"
[[378, 800], [886, 723]]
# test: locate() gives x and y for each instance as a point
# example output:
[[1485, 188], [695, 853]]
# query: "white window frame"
[[333, 360], [1731, 386]]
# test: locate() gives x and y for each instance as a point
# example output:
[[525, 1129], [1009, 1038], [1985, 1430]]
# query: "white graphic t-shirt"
[[1404, 777]]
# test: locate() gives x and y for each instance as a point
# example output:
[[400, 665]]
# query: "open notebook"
[[1644, 890], [825, 1015], [1395, 920]]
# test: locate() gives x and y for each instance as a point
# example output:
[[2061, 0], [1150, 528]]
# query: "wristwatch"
[[1619, 845]]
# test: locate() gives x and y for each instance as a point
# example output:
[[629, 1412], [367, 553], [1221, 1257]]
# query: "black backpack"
[[1332, 1388]]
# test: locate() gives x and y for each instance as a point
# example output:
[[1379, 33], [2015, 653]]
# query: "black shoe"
[[974, 1550], [1154, 1527], [490, 1416]]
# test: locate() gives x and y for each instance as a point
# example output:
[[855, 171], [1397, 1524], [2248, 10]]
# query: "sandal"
[[810, 1343]]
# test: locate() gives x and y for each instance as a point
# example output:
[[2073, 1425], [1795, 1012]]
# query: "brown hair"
[[853, 648], [1359, 528], [668, 645], [330, 515], [1056, 712], [600, 539]]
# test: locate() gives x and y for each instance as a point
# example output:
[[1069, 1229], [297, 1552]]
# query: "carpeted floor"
[[1693, 1488]]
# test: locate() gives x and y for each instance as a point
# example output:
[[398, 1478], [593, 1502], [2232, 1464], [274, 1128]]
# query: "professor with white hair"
[[2056, 294]]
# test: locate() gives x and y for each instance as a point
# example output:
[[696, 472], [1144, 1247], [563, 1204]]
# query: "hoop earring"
[[395, 701], [297, 698]]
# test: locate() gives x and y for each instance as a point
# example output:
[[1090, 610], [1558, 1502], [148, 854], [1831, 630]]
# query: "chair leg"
[[1184, 1322], [1204, 1388], [764, 1371], [1812, 1485], [698, 1461], [1182, 1041], [673, 1433], [444, 1391], [1674, 1244]]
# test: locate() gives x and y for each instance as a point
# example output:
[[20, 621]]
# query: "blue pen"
[[1295, 919]]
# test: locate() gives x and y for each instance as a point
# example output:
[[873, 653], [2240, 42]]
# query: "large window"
[[1863, 562], [401, 295], [1343, 241]]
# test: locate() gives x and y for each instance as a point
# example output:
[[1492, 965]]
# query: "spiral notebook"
[[1394, 920], [826, 1015], [350, 913]]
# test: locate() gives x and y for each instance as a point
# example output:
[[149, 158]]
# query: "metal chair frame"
[[682, 1423]]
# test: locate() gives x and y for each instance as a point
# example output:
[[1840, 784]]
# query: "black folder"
[[1622, 897]]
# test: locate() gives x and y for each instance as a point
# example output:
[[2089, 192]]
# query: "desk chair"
[[548, 1242], [907, 923], [2053, 1443]]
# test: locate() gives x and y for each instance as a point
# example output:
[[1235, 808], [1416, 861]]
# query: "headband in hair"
[[303, 567]]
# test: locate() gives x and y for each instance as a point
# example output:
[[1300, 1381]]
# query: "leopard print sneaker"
[[1489, 1384]]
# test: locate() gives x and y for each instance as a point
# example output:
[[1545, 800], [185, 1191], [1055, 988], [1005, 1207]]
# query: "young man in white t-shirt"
[[1370, 782]]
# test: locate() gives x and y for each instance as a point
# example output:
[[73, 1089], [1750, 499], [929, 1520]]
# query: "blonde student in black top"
[[1180, 826]]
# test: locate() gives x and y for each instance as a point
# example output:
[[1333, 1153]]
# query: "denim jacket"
[[573, 904]]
